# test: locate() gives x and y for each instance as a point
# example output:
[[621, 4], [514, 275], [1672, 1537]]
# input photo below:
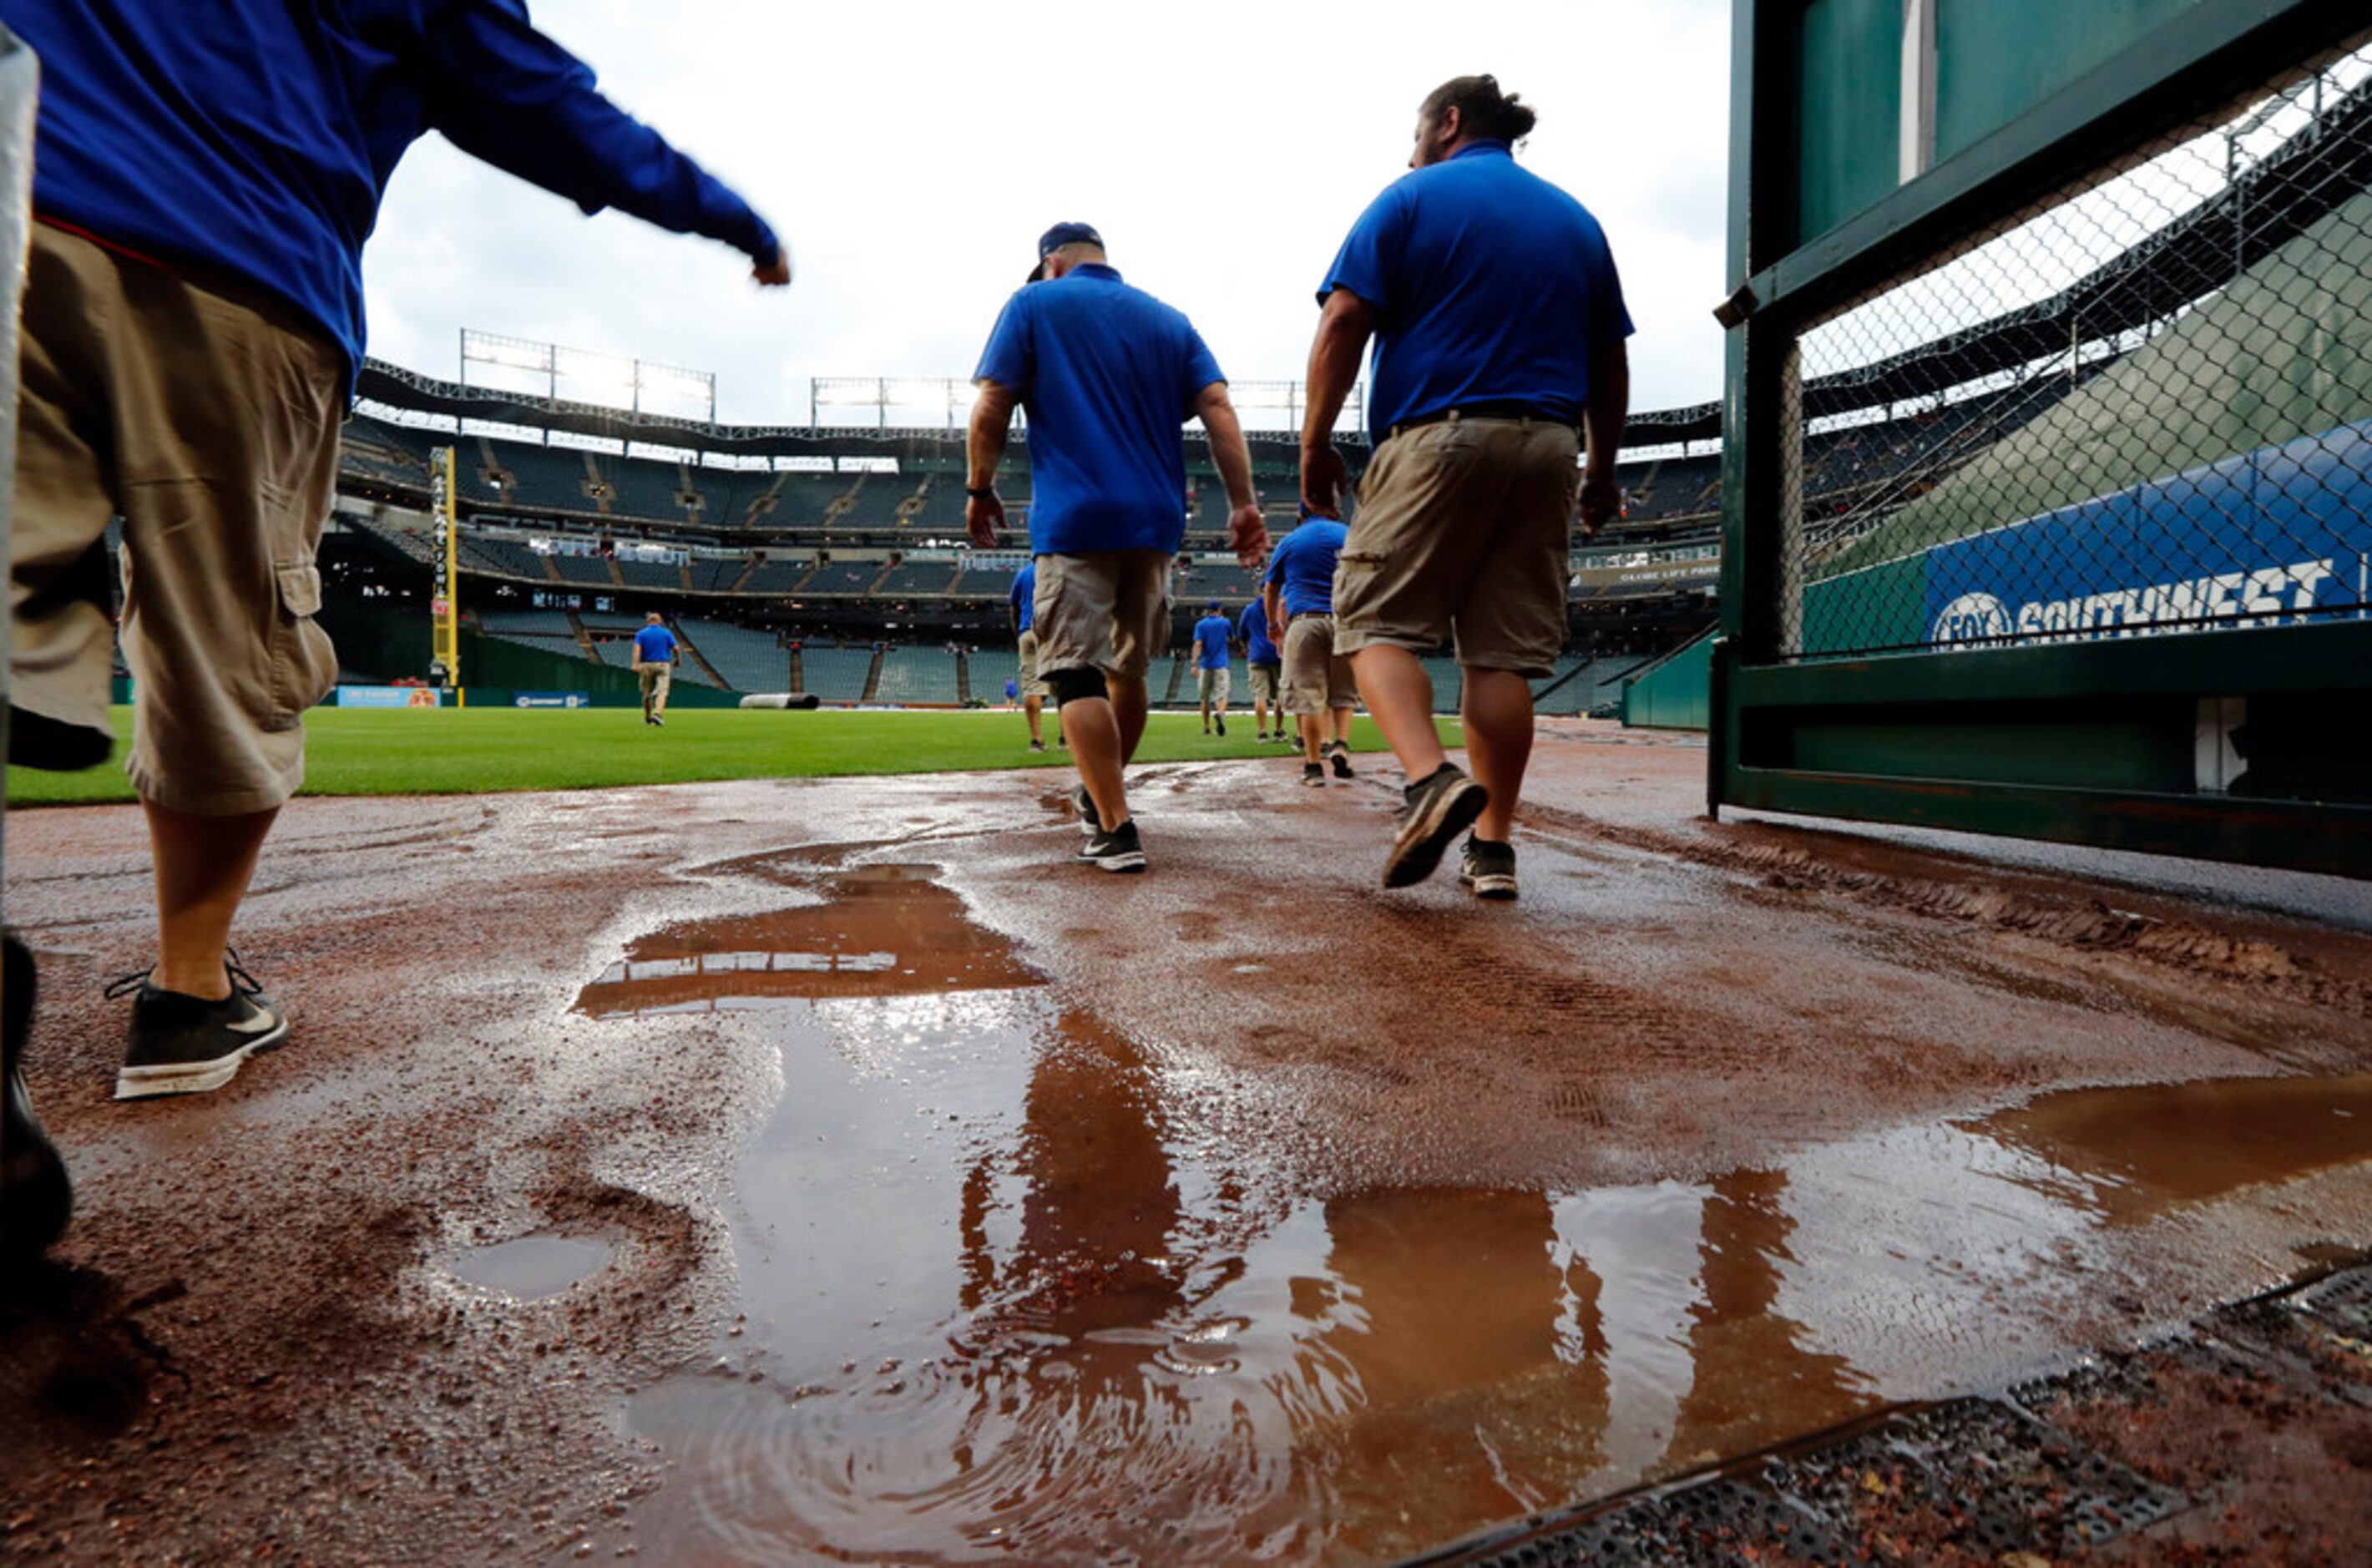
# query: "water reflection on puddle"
[[531, 1268], [1004, 1301]]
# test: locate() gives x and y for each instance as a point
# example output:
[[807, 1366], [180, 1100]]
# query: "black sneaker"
[[1489, 868], [186, 1045], [1440, 806], [1036, 746], [1115, 851], [658, 721], [35, 1196], [1220, 724], [1314, 775], [1340, 755], [1090, 823]]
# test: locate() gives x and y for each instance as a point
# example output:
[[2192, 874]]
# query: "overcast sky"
[[911, 153]]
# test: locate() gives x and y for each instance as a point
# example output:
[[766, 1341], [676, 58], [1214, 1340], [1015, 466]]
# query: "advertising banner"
[[390, 697], [445, 586], [551, 698]]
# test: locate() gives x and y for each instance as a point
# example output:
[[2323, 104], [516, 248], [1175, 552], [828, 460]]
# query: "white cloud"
[[911, 153]]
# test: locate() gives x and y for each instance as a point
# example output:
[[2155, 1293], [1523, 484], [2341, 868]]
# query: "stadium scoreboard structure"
[[2115, 262]]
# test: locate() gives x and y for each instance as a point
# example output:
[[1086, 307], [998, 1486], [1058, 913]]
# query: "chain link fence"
[[2141, 406]]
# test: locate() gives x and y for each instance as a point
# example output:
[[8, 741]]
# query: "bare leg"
[[1313, 735], [1400, 694], [204, 866], [1030, 708], [1128, 703], [1498, 712], [1342, 725]]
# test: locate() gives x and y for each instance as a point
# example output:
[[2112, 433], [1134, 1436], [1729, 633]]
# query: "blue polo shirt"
[[1025, 597], [1490, 285], [1253, 628], [655, 645], [1303, 565], [253, 138], [1211, 642], [1109, 375]]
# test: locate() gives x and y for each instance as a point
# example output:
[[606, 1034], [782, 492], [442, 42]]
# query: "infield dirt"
[[830, 1170]]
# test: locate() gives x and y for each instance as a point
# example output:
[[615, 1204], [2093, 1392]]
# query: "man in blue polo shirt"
[[654, 657], [1024, 600], [206, 174], [1499, 326], [1211, 635], [1261, 662], [1317, 680], [1110, 375]]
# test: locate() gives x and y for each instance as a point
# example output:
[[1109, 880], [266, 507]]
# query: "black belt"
[[1521, 412]]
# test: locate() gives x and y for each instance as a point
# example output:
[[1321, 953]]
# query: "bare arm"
[[1272, 603], [992, 418], [1245, 532], [1344, 328], [1609, 405]]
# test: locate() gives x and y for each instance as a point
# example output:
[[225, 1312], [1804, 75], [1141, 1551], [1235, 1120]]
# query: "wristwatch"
[[983, 493]]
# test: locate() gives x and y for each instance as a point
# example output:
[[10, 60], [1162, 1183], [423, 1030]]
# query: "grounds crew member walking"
[[654, 657], [206, 174], [1317, 680], [1110, 375], [1499, 328], [1261, 662], [1031, 689], [1211, 635]]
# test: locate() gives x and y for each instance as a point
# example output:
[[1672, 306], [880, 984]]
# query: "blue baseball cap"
[[1054, 239]]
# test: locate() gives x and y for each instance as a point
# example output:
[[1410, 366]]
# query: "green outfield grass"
[[468, 750]]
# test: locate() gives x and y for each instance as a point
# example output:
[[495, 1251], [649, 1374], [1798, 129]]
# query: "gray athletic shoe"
[[1489, 868], [1313, 774], [1440, 806], [1340, 756], [1115, 851], [187, 1045]]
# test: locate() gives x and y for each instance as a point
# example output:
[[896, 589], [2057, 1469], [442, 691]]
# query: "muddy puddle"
[[531, 1268], [1004, 1295]]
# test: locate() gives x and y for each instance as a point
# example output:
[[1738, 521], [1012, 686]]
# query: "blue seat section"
[[526, 623], [916, 578], [1449, 681], [776, 576], [502, 557], [652, 575], [917, 674], [748, 660], [842, 577], [590, 570], [837, 675]]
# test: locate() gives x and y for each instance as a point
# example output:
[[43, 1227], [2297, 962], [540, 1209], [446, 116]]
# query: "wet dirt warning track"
[[830, 1172]]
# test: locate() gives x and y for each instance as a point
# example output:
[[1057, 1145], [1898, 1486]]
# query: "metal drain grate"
[[1721, 1523], [1978, 1474], [2342, 1302]]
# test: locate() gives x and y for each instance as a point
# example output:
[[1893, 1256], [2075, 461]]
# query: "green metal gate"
[[2048, 484]]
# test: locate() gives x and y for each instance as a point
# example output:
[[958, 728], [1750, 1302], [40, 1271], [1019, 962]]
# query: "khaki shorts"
[[1106, 611], [1264, 684], [1461, 533], [1316, 677], [210, 423], [1030, 686], [1211, 685], [656, 678]]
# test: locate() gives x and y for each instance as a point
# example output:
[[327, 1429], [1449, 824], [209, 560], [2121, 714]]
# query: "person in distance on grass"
[[1032, 691], [1318, 686], [1499, 329], [1110, 375], [207, 171], [1262, 660], [655, 658], [1211, 635]]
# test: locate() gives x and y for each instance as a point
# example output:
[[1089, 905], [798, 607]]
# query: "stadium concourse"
[[823, 1171]]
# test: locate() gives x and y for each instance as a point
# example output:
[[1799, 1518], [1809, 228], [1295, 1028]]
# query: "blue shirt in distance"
[[1109, 375], [1211, 642], [1252, 626], [1490, 285], [655, 645], [254, 138], [1303, 565], [1025, 597]]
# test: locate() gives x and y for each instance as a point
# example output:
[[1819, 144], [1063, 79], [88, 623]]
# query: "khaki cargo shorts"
[[1211, 685], [210, 424], [1461, 535], [1030, 686], [656, 678], [1263, 677], [1316, 677], [1108, 610]]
